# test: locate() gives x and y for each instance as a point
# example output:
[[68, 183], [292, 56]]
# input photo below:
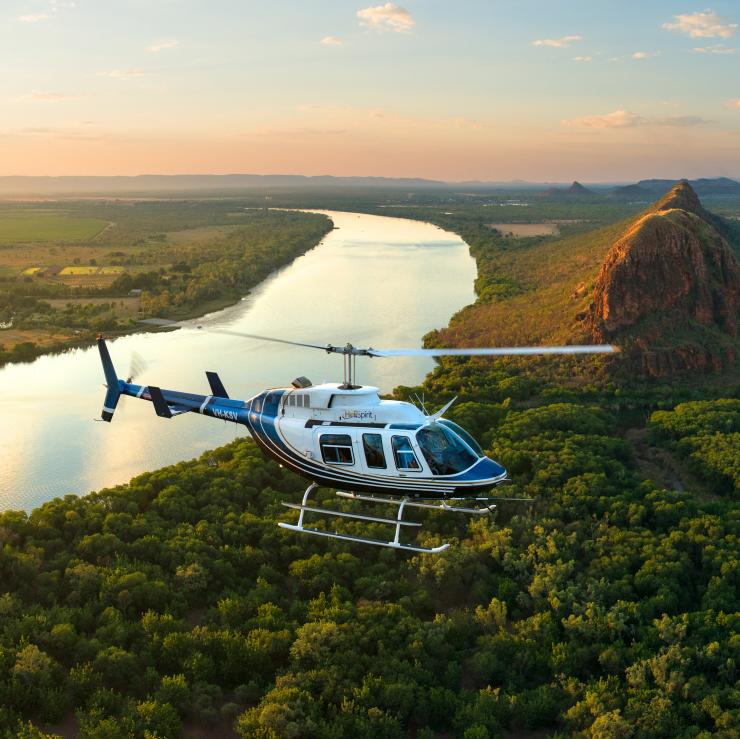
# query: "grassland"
[[545, 285], [46, 224]]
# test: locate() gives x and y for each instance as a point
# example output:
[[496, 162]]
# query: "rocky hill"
[[576, 190], [669, 290]]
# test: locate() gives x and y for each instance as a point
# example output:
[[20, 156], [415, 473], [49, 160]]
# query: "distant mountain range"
[[644, 190], [176, 183], [653, 189]]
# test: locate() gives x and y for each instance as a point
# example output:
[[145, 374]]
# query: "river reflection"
[[374, 281]]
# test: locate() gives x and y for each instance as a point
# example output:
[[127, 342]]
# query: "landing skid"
[[397, 522]]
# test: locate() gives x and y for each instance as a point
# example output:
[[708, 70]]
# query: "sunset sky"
[[595, 90]]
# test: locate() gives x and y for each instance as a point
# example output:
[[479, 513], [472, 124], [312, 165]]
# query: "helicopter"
[[343, 435]]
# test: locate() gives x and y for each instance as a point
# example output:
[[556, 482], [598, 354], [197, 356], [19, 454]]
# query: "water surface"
[[374, 281]]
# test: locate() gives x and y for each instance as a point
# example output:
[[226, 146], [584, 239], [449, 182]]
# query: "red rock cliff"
[[669, 277]]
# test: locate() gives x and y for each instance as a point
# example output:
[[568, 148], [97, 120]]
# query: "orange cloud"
[[388, 17], [706, 24]]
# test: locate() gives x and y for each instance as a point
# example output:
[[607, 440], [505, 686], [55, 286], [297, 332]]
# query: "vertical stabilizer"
[[111, 380]]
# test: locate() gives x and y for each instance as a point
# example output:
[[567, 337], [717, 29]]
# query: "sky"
[[495, 90]]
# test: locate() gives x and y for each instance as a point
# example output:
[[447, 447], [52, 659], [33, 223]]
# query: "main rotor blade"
[[325, 347], [500, 351], [228, 332]]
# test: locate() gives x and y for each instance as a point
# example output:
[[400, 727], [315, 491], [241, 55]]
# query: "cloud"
[[706, 24], [49, 96], [679, 121], [34, 18], [54, 6], [558, 43], [168, 43], [583, 58], [627, 119], [331, 41], [715, 49], [388, 17], [123, 74], [617, 119], [639, 55]]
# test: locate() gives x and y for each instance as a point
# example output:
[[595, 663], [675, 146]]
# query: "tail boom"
[[170, 403]]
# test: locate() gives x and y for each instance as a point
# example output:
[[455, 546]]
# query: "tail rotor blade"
[[136, 366]]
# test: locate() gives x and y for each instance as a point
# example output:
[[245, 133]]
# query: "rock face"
[[670, 289]]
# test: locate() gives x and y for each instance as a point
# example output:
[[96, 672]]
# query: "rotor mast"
[[349, 360]]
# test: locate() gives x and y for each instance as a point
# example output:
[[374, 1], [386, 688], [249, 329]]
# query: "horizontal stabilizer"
[[160, 404], [217, 387]]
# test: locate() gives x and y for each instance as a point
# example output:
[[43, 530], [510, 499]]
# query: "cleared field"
[[124, 307], [80, 270], [32, 270], [524, 230], [42, 337], [46, 225], [83, 270]]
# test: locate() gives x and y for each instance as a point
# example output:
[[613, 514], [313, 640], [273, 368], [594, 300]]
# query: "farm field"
[[44, 224]]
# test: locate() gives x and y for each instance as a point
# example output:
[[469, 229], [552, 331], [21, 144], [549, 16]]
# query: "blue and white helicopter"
[[343, 435]]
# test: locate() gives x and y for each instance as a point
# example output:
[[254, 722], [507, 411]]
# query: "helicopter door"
[[373, 453]]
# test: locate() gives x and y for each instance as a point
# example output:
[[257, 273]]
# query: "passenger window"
[[336, 449], [257, 405], [372, 444], [404, 453]]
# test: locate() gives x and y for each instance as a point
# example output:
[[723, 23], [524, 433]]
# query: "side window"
[[257, 405], [404, 453], [372, 444], [336, 449]]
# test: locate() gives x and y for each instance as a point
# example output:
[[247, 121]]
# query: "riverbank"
[[180, 274]]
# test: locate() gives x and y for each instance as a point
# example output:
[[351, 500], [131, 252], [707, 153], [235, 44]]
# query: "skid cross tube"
[[397, 522], [440, 506]]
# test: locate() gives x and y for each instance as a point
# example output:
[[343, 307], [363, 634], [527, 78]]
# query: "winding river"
[[374, 281]]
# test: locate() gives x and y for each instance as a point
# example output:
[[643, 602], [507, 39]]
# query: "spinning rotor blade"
[[228, 332], [501, 351], [137, 365]]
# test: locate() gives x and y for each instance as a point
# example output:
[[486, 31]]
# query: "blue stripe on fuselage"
[[223, 408]]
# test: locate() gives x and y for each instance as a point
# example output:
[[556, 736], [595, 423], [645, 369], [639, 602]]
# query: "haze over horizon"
[[495, 92]]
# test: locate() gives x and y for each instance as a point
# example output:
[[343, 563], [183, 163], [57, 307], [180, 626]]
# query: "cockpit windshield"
[[464, 435], [444, 451]]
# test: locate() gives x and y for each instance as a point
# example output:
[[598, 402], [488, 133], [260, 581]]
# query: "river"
[[374, 281]]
